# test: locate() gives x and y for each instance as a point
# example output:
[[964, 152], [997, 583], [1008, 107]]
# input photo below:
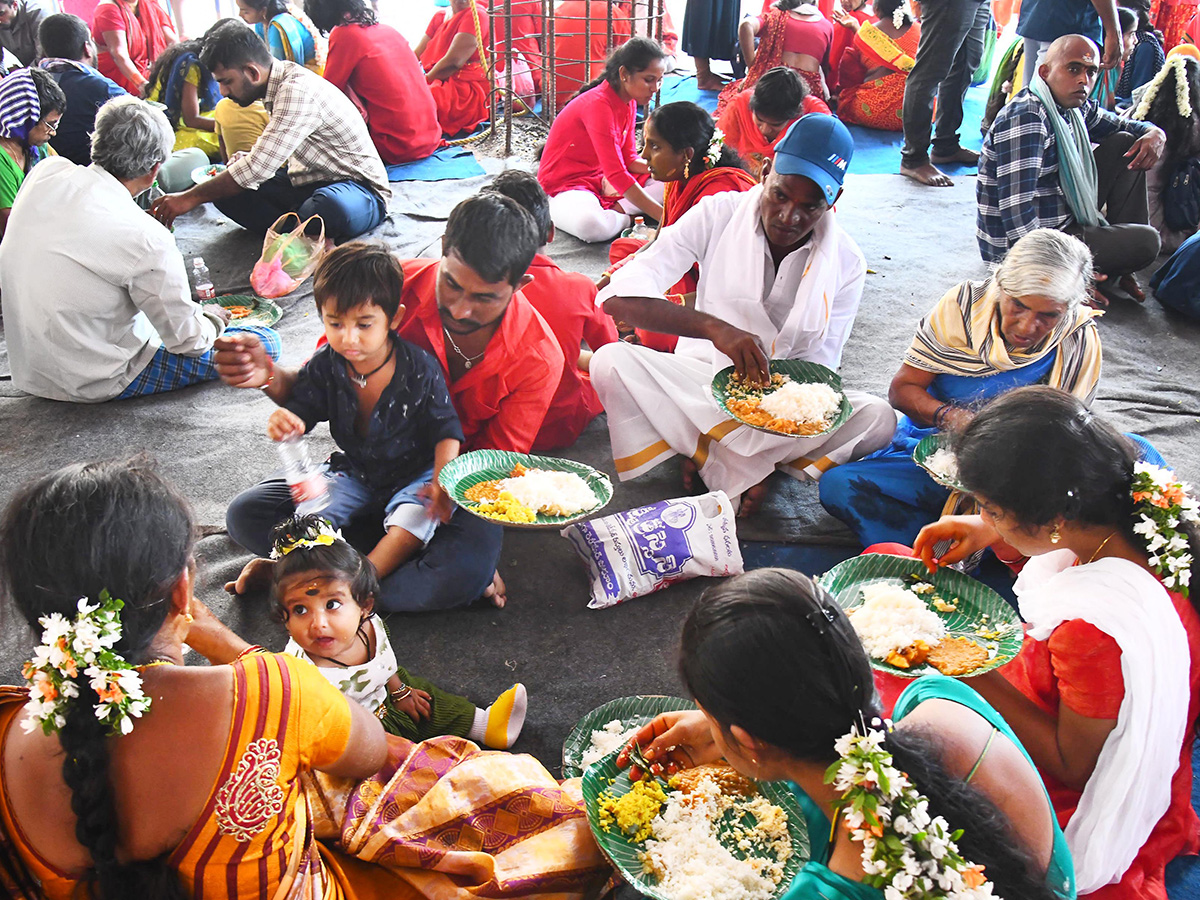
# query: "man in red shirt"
[[567, 301], [502, 364]]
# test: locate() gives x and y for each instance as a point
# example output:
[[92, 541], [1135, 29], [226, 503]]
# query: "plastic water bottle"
[[202, 280], [639, 229], [310, 491]]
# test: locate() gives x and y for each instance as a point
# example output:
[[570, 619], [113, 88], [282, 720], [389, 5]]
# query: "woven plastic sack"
[[639, 551], [288, 256]]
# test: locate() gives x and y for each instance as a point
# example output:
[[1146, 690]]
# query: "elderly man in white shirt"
[[779, 278], [94, 291]]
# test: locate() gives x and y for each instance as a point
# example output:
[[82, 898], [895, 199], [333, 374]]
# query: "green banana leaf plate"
[[477, 466], [262, 311], [799, 371], [982, 615], [925, 448], [633, 712], [624, 855]]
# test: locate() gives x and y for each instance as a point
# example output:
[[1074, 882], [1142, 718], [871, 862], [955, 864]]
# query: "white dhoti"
[[661, 404]]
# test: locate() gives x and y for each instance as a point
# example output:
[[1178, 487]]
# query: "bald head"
[[1070, 68]]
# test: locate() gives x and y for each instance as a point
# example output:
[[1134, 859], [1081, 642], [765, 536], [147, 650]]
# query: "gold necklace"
[[1092, 558]]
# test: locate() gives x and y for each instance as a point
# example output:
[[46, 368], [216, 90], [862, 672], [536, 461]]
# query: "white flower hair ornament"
[[1183, 99], [82, 646], [1162, 505], [900, 13], [906, 852], [713, 156]]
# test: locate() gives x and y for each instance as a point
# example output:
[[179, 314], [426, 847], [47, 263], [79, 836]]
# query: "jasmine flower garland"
[[905, 852], [713, 156], [1183, 100], [82, 646], [1162, 506]]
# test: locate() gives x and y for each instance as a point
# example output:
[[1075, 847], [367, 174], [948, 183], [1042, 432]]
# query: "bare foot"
[[496, 593], [710, 82], [689, 471], [255, 576], [752, 499], [961, 155], [927, 174], [1129, 284]]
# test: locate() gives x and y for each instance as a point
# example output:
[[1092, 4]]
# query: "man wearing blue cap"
[[779, 279]]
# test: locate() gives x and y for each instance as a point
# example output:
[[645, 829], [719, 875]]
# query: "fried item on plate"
[[912, 655], [957, 656]]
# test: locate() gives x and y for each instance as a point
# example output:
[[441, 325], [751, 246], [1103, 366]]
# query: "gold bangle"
[[403, 693]]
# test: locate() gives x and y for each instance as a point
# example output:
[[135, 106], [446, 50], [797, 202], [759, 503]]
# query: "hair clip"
[[820, 618]]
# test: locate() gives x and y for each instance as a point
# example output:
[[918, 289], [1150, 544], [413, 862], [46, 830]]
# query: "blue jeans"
[[170, 371], [347, 208], [454, 569], [348, 496]]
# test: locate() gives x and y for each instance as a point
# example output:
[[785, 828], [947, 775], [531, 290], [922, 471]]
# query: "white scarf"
[[1130, 788], [732, 289], [365, 684]]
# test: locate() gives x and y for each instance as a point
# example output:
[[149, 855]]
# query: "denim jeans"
[[347, 207]]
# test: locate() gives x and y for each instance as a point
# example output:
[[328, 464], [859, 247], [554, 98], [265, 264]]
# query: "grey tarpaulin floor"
[[209, 441]]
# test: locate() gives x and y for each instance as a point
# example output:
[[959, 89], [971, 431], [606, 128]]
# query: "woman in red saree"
[[792, 33], [129, 37], [875, 68], [843, 34], [683, 150], [450, 55], [757, 118]]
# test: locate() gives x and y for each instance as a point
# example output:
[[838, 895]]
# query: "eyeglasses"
[[52, 127]]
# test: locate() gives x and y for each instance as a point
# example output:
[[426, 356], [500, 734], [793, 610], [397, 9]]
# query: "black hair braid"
[[988, 838]]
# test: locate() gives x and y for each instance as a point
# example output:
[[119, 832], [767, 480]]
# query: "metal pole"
[[608, 38], [587, 42], [549, 62], [508, 76]]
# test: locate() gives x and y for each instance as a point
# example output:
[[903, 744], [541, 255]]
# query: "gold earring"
[[687, 169], [1055, 537], [188, 617]]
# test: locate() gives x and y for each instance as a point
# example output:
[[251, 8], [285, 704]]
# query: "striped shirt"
[[1018, 188], [316, 131]]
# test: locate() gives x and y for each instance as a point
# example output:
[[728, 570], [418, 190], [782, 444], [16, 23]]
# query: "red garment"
[[678, 198], [737, 124], [1080, 667], [567, 301], [377, 64], [843, 37], [503, 399], [526, 34], [462, 98], [576, 60], [147, 34], [812, 38], [591, 141], [876, 103]]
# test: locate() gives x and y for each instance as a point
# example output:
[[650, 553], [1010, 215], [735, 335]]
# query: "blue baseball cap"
[[819, 147]]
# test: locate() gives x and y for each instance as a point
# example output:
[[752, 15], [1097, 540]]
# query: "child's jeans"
[[348, 496]]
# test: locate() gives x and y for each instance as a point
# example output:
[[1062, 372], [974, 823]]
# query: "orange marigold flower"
[[111, 694], [47, 690], [69, 667], [1161, 502], [973, 877], [1139, 496]]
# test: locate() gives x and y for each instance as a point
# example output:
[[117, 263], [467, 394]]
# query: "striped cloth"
[[170, 371], [961, 336], [20, 108]]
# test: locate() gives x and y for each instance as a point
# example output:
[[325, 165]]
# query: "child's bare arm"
[[409, 699]]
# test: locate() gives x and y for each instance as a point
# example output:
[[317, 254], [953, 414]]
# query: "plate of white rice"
[[609, 726], [803, 399], [934, 454]]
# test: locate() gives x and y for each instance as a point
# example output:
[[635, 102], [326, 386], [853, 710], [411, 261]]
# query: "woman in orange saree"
[[451, 56], [683, 149], [875, 68], [253, 777]]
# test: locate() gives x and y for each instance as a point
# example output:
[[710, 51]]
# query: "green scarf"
[[1076, 165]]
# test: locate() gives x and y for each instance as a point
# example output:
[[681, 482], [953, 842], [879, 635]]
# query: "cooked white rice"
[[805, 403], [892, 618], [607, 739], [552, 493], [943, 463], [692, 864]]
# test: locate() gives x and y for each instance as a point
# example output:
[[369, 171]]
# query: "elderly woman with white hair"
[[95, 293], [1028, 323]]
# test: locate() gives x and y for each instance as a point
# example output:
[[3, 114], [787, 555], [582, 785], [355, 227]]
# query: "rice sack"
[[639, 551]]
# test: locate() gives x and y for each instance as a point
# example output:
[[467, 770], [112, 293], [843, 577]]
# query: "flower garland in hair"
[[900, 13], [713, 156], [83, 645], [325, 536], [1162, 505], [1183, 98], [905, 852]]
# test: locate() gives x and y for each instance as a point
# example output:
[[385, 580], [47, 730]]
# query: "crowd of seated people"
[[1065, 773]]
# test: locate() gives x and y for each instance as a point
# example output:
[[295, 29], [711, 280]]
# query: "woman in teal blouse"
[[779, 675]]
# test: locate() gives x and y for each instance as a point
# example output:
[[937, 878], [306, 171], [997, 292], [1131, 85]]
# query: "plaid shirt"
[[316, 131], [1018, 188]]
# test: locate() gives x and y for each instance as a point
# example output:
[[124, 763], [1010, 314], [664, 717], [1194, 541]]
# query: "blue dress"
[[886, 497], [817, 882]]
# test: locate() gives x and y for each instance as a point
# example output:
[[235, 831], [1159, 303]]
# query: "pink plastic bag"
[[522, 83], [288, 257]]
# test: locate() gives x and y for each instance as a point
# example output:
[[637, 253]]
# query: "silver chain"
[[469, 360]]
